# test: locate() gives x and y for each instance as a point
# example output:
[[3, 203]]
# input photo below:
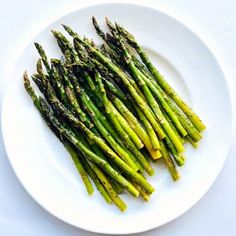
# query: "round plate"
[[46, 170]]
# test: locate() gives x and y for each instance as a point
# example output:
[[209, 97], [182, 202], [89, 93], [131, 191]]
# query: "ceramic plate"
[[46, 170]]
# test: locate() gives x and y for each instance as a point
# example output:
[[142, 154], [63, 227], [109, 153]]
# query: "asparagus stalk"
[[114, 89], [182, 140], [123, 77], [155, 107], [160, 79], [58, 84], [116, 186], [65, 112], [44, 57], [154, 90], [125, 156], [80, 168], [106, 189], [52, 72], [39, 66], [191, 141], [112, 194], [113, 55], [100, 142], [93, 110], [73, 154], [90, 155], [96, 180], [103, 179], [127, 128], [62, 71], [191, 130], [60, 108], [135, 125], [152, 102], [120, 151], [179, 158], [133, 136], [112, 113], [80, 110], [136, 152], [165, 106], [144, 195], [169, 163], [77, 162]]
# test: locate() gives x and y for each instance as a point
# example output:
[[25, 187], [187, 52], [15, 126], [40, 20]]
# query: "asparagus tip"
[[39, 66], [107, 20], [109, 24], [66, 27], [26, 78], [38, 46], [54, 32], [69, 30], [94, 20]]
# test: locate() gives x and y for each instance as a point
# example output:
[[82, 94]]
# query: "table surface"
[[215, 213]]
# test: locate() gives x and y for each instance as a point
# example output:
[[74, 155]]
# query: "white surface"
[[215, 214], [43, 166]]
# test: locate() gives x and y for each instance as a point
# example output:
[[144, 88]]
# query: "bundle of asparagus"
[[112, 112]]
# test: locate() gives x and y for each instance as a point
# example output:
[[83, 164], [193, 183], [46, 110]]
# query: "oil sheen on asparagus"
[[113, 111]]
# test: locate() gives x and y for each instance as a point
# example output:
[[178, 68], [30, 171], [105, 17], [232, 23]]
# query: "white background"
[[215, 22]]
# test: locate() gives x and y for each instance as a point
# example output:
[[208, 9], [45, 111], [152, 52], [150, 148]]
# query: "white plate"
[[45, 169]]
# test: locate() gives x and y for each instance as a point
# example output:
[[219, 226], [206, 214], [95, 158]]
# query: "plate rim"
[[53, 20]]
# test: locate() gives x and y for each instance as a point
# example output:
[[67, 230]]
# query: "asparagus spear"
[[135, 125], [100, 142], [96, 180], [169, 163], [62, 109], [44, 57], [121, 152], [77, 162], [155, 107], [148, 127], [160, 79], [191, 130], [62, 71], [113, 195], [155, 91], [92, 157], [93, 111], [113, 116], [114, 89], [191, 141], [106, 135], [112, 53], [179, 158], [182, 140], [58, 83], [132, 134], [80, 168], [112, 161], [123, 77], [99, 174], [145, 196], [70, 149], [101, 177], [74, 155], [59, 107]]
